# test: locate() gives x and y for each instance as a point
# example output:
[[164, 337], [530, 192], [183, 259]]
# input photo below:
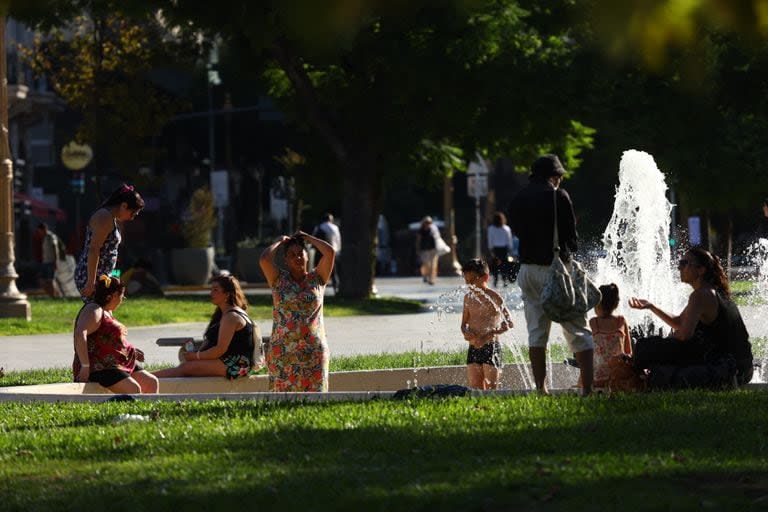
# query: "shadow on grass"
[[640, 452]]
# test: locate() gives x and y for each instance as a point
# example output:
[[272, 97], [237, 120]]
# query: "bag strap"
[[555, 239], [243, 315]]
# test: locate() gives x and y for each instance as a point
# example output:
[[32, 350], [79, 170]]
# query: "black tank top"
[[727, 334], [242, 340]]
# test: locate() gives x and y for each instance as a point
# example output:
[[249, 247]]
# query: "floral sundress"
[[608, 344], [298, 353], [107, 257]]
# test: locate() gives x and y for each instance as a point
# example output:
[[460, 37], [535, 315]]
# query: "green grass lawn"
[[57, 315], [660, 451]]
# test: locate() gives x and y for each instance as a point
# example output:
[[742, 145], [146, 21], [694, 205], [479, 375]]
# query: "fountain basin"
[[360, 384]]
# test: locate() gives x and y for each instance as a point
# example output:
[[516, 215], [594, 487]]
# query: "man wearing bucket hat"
[[531, 216]]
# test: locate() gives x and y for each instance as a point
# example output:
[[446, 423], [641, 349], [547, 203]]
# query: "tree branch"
[[306, 93]]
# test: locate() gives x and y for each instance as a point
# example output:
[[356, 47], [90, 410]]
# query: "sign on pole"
[[477, 180], [220, 188], [477, 187], [76, 156]]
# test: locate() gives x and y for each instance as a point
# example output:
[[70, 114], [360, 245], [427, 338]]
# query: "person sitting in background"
[[139, 280], [102, 351], [229, 341]]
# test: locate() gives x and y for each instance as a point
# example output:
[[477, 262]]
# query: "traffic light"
[[19, 166]]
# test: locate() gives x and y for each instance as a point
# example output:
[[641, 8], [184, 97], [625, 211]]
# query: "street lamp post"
[[12, 302]]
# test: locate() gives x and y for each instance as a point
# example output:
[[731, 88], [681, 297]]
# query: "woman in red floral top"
[[102, 352]]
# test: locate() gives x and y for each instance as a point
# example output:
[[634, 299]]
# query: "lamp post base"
[[15, 307]]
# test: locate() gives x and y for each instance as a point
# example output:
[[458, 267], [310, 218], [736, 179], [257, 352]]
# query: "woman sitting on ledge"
[[709, 329], [228, 349], [102, 353]]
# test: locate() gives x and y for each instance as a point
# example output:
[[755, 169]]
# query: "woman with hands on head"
[[102, 238], [229, 345], [298, 353], [102, 352], [709, 327]]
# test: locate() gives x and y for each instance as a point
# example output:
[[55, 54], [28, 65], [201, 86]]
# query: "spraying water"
[[637, 241]]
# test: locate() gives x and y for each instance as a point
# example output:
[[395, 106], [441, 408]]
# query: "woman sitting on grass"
[[102, 353], [228, 350], [708, 330]]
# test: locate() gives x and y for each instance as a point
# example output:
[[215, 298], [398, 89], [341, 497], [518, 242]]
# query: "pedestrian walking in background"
[[102, 237], [502, 249], [329, 232], [426, 246], [532, 214]]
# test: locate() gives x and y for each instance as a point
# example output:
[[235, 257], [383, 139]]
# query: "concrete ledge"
[[351, 385], [388, 380]]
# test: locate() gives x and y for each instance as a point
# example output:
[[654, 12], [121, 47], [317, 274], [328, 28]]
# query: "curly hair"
[[476, 266], [714, 273]]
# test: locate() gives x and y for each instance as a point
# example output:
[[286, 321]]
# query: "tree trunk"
[[729, 251], [360, 209], [361, 183]]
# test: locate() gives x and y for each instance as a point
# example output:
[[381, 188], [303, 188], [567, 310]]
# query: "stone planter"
[[192, 265], [248, 268]]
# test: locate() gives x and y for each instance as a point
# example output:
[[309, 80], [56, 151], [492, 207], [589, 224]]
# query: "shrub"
[[199, 219]]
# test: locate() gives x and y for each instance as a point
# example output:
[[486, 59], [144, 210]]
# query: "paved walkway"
[[435, 329]]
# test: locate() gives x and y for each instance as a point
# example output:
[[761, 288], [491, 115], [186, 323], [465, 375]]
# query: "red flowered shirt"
[[108, 348]]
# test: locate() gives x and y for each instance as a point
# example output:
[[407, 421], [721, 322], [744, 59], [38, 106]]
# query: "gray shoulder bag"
[[568, 293]]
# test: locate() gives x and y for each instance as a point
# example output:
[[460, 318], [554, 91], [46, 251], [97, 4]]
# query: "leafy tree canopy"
[[390, 87]]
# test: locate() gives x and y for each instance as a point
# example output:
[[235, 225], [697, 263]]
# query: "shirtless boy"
[[485, 318]]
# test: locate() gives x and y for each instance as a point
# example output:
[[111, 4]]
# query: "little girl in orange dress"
[[610, 333]]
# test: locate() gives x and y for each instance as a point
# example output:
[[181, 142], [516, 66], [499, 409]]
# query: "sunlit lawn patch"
[[57, 315]]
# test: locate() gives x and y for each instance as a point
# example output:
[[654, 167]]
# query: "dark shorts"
[[46, 271], [112, 376], [490, 353]]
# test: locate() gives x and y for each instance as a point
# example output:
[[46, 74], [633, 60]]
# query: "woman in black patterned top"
[[102, 238]]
